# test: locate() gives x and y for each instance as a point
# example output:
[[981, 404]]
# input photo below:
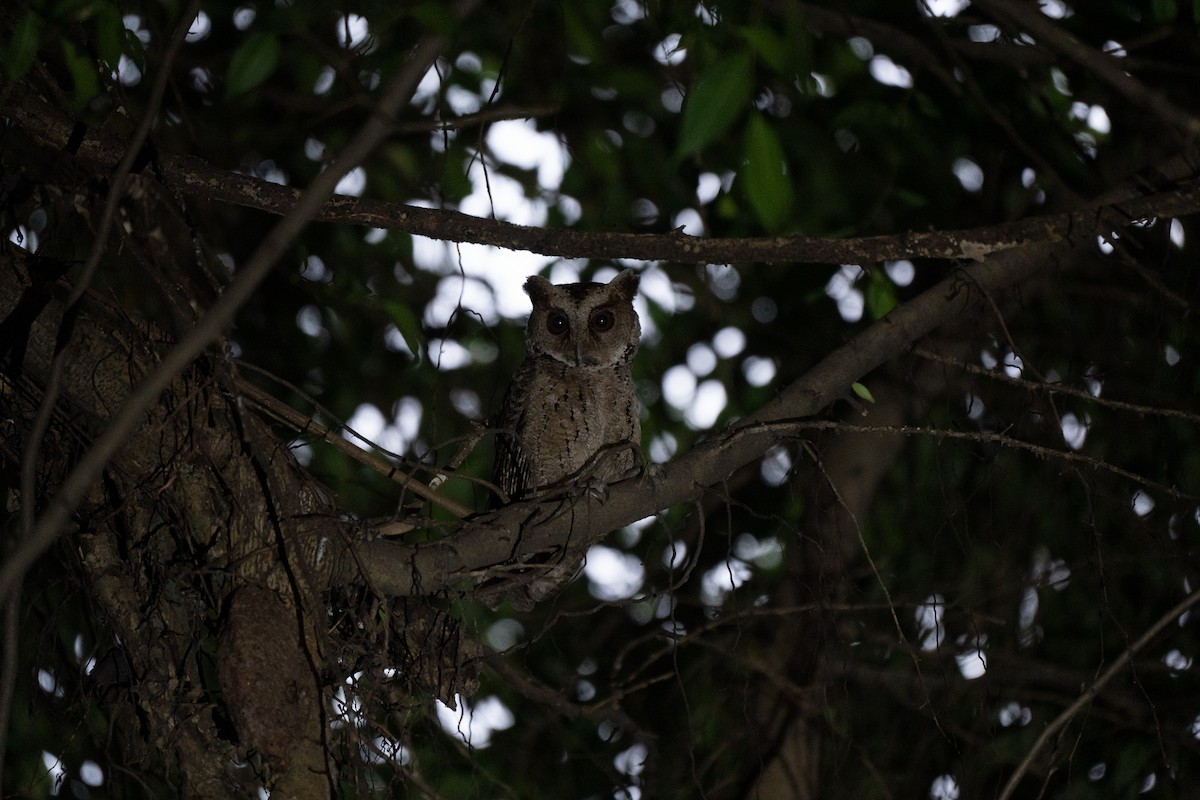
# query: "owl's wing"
[[511, 468]]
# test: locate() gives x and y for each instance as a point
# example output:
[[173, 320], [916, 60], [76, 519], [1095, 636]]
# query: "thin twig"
[[794, 427], [1059, 388], [306, 424], [887, 594], [1102, 65], [1097, 686]]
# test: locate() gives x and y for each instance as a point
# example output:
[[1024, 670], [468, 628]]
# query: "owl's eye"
[[602, 320], [557, 324]]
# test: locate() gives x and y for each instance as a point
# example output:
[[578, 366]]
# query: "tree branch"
[[1174, 192], [515, 532], [374, 458], [445, 224]]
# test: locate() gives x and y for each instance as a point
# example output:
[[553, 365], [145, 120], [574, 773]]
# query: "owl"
[[571, 413]]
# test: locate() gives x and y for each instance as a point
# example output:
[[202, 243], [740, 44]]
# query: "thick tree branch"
[[487, 543], [517, 531], [968, 244], [1174, 192]]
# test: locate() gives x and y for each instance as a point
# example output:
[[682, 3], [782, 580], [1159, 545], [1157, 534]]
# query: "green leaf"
[[252, 63], [1163, 11], [717, 101], [862, 391], [435, 17], [135, 49], [765, 180], [110, 35], [407, 324], [880, 294], [768, 45], [83, 74], [580, 35], [22, 48], [75, 10]]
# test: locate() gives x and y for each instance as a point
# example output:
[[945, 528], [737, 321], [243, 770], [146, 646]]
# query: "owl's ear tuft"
[[538, 288], [625, 284]]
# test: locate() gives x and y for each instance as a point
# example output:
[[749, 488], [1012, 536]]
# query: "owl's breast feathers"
[[557, 416]]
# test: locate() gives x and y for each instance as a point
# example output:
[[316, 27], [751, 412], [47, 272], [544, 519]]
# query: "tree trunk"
[[195, 532]]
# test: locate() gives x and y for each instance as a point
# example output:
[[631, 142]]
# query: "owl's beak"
[[579, 354]]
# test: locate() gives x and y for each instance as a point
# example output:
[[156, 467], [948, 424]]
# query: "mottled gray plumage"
[[573, 396]]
